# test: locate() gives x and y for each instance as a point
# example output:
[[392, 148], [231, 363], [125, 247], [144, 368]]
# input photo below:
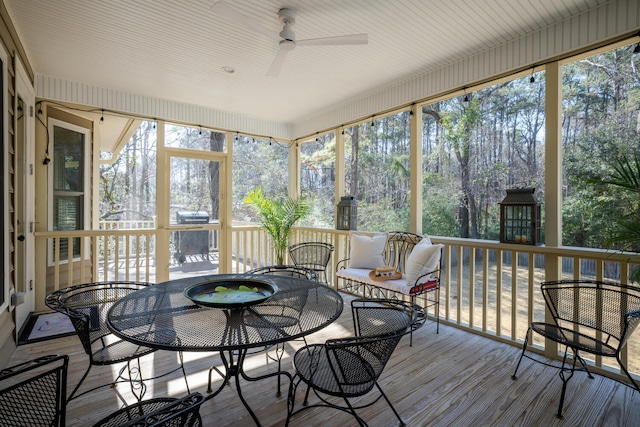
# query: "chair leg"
[[350, 409], [565, 380], [291, 398], [224, 377], [584, 365], [524, 348], [437, 310], [390, 405], [184, 373], [627, 373], [279, 355], [73, 393]]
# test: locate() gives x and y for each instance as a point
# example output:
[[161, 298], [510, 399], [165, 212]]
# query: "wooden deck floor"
[[453, 378]]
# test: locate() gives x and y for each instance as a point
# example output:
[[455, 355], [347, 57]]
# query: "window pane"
[[599, 127], [67, 211], [477, 146], [377, 172], [194, 187], [257, 163], [317, 180], [128, 182], [68, 160], [178, 136]]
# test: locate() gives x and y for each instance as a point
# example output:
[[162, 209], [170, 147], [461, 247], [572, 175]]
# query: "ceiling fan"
[[288, 40]]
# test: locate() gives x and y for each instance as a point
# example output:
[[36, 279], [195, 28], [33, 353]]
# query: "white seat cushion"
[[362, 275]]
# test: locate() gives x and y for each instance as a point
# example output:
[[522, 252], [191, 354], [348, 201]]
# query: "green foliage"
[[257, 163], [439, 213], [625, 233], [317, 180], [277, 216], [378, 217]]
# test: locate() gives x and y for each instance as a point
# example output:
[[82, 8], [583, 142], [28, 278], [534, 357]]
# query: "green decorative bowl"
[[231, 292]]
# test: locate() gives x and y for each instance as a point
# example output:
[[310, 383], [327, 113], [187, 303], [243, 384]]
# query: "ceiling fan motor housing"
[[288, 18]]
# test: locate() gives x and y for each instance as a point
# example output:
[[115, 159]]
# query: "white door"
[[25, 200]]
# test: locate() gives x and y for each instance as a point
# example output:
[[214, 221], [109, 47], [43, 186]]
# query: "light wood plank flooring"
[[453, 378]]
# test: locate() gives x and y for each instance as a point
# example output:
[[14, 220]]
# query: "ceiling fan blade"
[[277, 63], [333, 41], [223, 9]]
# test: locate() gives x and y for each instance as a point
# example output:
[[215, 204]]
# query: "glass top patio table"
[[299, 307]]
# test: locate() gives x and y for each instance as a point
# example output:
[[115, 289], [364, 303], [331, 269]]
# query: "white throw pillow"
[[367, 251], [423, 259]]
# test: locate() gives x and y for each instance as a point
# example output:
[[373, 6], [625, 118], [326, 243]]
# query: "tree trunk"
[[216, 141]]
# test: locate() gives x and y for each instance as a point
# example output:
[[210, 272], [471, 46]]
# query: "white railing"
[[87, 256], [483, 290], [127, 224]]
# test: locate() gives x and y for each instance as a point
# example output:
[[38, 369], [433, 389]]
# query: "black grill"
[[191, 242]]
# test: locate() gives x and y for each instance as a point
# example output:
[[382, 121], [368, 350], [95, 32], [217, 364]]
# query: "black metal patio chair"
[[87, 306], [34, 393], [313, 255], [287, 312], [350, 367], [161, 411], [593, 317]]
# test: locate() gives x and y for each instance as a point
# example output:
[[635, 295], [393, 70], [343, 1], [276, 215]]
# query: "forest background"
[[474, 148]]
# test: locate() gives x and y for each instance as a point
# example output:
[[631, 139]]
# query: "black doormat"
[[47, 326]]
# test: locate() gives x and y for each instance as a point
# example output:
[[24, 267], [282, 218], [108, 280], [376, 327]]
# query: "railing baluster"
[[477, 306]]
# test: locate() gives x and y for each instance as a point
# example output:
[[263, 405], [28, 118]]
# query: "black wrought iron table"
[[298, 308]]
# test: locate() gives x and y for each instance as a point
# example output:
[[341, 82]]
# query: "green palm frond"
[[277, 217], [625, 233]]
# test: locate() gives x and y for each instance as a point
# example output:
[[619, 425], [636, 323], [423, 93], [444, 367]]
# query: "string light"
[[532, 80]]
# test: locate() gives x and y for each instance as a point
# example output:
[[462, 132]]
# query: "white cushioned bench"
[[414, 256]]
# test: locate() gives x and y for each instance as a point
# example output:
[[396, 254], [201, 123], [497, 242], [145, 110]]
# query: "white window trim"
[[86, 182]]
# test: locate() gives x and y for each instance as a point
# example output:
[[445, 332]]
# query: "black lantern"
[[520, 217], [347, 214]]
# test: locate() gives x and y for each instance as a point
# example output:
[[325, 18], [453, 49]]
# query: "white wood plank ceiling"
[[176, 50]]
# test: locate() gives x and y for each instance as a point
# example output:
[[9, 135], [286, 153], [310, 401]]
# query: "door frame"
[[221, 158], [25, 190]]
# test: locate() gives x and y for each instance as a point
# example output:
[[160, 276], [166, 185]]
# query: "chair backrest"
[[158, 412], [399, 246], [358, 362], [608, 310], [34, 393], [313, 255], [299, 272], [294, 299], [87, 306]]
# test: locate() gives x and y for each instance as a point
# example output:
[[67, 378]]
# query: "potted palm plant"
[[277, 216]]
